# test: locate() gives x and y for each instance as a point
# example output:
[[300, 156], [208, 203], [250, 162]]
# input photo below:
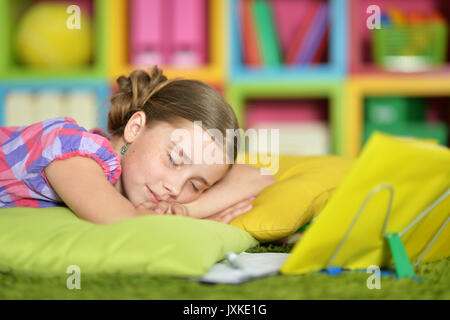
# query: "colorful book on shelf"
[[301, 33], [320, 53], [189, 33], [310, 138], [286, 111], [250, 46], [319, 35], [313, 36], [146, 32], [266, 33]]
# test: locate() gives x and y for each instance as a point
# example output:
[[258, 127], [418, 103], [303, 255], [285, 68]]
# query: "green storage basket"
[[392, 110], [435, 131], [410, 48]]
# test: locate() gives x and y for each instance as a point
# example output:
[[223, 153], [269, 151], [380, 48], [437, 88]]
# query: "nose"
[[173, 187]]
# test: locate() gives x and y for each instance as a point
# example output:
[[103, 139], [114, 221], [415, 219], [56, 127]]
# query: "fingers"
[[141, 211], [164, 207], [161, 207], [179, 209], [239, 206], [236, 213], [147, 205], [230, 214], [225, 216]]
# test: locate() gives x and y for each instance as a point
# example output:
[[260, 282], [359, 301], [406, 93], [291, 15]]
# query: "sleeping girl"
[[140, 168]]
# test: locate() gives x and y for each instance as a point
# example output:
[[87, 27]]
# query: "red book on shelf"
[[300, 35], [321, 50], [250, 46]]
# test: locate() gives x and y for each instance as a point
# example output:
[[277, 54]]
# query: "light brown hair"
[[167, 100]]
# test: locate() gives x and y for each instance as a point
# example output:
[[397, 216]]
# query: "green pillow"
[[49, 240]]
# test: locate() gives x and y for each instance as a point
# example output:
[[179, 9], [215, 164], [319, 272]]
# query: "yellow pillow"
[[302, 188]]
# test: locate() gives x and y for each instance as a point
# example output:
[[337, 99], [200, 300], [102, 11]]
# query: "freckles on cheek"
[[134, 168]]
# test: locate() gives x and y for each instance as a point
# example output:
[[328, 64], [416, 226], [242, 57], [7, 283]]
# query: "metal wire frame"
[[419, 217]]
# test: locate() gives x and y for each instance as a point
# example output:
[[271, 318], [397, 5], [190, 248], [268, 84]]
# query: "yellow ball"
[[46, 37]]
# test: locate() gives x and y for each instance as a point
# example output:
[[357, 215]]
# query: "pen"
[[233, 260]]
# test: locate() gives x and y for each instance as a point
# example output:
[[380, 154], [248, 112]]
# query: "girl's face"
[[156, 168]]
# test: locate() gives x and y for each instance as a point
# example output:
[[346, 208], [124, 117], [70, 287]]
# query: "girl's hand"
[[149, 207], [179, 209], [229, 214], [224, 216], [241, 182], [164, 207]]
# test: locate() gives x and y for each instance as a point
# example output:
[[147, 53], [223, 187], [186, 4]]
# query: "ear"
[[134, 127]]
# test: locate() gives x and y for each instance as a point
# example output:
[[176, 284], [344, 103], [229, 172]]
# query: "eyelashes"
[[194, 187], [172, 161], [175, 164]]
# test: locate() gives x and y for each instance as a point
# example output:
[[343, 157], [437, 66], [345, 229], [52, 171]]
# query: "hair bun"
[[133, 93], [143, 85], [124, 83]]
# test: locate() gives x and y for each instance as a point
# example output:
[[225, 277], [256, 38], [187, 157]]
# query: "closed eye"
[[194, 187], [172, 161]]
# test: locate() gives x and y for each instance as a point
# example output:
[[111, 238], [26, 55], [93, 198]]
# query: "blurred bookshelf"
[[11, 67], [319, 105], [358, 77], [436, 92], [361, 51], [309, 65], [289, 20], [23, 102], [211, 69]]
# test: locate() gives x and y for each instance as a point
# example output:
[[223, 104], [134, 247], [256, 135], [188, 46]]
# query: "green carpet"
[[434, 283]]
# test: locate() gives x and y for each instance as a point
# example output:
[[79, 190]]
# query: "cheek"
[[129, 180], [187, 195], [136, 169]]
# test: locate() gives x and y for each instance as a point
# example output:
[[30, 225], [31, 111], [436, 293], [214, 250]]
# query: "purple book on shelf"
[[312, 35], [301, 31], [146, 36], [188, 47], [318, 37]]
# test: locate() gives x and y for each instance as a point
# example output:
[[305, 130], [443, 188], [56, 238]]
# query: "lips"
[[153, 197]]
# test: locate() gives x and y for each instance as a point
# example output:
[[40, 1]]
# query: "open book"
[[245, 266]]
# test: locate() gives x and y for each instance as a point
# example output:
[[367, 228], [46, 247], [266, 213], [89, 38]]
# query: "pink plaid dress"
[[26, 151]]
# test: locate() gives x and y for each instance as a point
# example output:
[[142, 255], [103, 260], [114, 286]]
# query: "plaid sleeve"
[[29, 150]]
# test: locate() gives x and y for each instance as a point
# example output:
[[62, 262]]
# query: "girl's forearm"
[[242, 182], [77, 179]]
